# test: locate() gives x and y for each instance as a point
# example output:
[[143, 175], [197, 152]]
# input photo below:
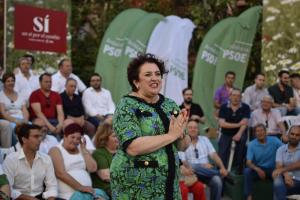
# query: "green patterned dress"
[[150, 176]]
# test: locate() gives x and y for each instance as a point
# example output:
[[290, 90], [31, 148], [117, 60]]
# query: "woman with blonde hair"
[[106, 143]]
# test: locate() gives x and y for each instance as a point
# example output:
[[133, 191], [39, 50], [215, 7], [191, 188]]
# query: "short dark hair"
[[95, 74], [281, 72], [259, 74], [42, 76], [260, 125], [23, 130], [230, 73], [31, 57], [134, 66], [61, 62], [70, 79], [295, 75], [186, 89], [7, 76], [194, 120]]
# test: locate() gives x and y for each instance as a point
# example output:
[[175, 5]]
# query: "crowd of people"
[[64, 140]]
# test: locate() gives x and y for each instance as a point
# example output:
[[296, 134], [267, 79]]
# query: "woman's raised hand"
[[178, 124]]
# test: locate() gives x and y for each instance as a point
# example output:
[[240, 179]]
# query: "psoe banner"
[[40, 29]]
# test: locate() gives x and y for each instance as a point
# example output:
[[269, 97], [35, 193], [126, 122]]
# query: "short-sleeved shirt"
[[222, 95], [72, 107], [103, 158], [59, 82], [263, 155], [130, 175], [48, 104], [226, 113], [285, 157], [270, 120], [194, 110], [279, 96], [204, 149], [13, 108], [253, 96]]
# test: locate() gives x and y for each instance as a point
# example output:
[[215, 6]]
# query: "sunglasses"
[[196, 153]]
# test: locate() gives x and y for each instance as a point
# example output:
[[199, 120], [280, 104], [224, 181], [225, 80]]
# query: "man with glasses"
[[271, 118], [47, 105], [197, 157], [97, 102], [287, 174], [261, 154]]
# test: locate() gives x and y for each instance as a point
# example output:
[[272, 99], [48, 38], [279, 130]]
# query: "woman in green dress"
[[150, 129]]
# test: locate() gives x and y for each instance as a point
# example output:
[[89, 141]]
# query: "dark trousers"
[[240, 151]]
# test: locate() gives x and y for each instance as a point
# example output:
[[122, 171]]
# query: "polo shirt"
[[263, 155], [226, 113], [72, 107], [48, 104], [281, 97], [286, 157], [194, 110]]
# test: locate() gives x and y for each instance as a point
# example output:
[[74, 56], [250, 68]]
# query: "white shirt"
[[297, 96], [270, 121], [24, 87], [59, 83], [204, 149], [253, 96], [97, 103], [29, 181], [13, 108]]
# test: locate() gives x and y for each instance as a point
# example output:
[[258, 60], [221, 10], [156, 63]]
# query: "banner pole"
[[4, 36]]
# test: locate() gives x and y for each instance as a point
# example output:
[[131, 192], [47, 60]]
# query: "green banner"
[[226, 46], [112, 45]]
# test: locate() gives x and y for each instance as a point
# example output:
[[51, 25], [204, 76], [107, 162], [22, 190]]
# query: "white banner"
[[169, 41]]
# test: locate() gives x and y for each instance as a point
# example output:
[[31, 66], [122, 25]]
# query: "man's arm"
[[223, 171], [87, 104], [36, 107], [50, 180], [224, 124]]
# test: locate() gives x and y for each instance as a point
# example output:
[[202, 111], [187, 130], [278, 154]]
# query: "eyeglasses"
[[196, 153]]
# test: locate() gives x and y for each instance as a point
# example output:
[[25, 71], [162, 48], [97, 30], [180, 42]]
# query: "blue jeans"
[[212, 178], [281, 190], [250, 175]]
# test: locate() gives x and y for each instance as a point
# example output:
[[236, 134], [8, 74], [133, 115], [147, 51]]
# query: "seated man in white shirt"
[[97, 102], [29, 170], [60, 77], [197, 156], [26, 81], [269, 117]]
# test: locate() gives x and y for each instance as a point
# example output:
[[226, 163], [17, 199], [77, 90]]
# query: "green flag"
[[136, 41], [112, 45], [226, 46]]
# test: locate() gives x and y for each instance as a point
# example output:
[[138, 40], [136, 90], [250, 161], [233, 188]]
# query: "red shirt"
[[48, 104]]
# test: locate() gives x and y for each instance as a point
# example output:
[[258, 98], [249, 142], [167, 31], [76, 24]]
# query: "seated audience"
[[60, 77], [73, 108], [97, 102], [254, 93], [295, 82], [73, 163], [283, 94], [189, 184], [26, 81], [12, 105], [197, 156], [194, 109], [29, 172], [233, 121], [261, 154], [47, 105], [6, 132], [287, 174], [271, 118], [106, 143]]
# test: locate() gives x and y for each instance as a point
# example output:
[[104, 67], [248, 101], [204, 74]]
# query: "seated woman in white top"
[[12, 106], [72, 164]]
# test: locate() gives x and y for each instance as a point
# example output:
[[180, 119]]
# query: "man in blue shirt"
[[287, 174], [260, 158]]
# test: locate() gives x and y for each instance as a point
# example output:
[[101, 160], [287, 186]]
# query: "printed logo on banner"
[[40, 29]]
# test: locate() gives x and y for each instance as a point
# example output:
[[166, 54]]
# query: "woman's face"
[[9, 83], [113, 141], [149, 83], [72, 141]]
